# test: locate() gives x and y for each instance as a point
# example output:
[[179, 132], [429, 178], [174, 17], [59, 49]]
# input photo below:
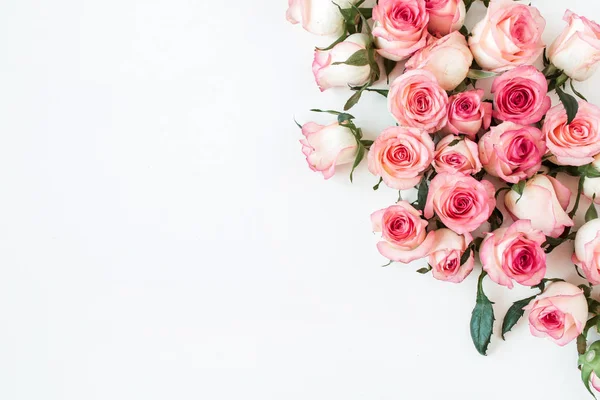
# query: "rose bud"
[[329, 75], [591, 186], [416, 100], [512, 152], [445, 16], [403, 232], [400, 27], [468, 114], [400, 155], [577, 143], [317, 16], [448, 58], [577, 50], [445, 254], [461, 202], [521, 96], [327, 146], [514, 253], [587, 250], [560, 313], [455, 155], [510, 35], [543, 202]]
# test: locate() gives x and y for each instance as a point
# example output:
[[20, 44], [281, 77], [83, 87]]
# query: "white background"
[[161, 236]]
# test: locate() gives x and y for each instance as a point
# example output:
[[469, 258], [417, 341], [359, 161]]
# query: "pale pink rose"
[[400, 155], [577, 50], [587, 250], [591, 186], [318, 16], [521, 96], [327, 146], [595, 381], [456, 155], [468, 114], [543, 202], [403, 233], [514, 253], [448, 59], [329, 75], [560, 313], [445, 16], [512, 152], [461, 202], [575, 144], [416, 100], [445, 253], [510, 35], [400, 27]]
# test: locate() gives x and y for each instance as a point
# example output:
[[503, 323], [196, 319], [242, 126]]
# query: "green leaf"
[[486, 3], [343, 117], [586, 290], [466, 255], [496, 219], [581, 344], [546, 60], [576, 92], [358, 59], [360, 154], [332, 45], [514, 313], [299, 126], [468, 4], [389, 65], [482, 319], [480, 74], [570, 104], [586, 374], [333, 112], [366, 12], [464, 31], [591, 213], [422, 194], [367, 143], [354, 99], [425, 270], [519, 188], [502, 189], [376, 187], [454, 142], [589, 171], [383, 92], [388, 264]]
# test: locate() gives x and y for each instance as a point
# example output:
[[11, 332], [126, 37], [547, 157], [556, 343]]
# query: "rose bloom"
[[510, 35], [460, 201], [328, 75], [403, 232], [560, 313], [455, 155], [577, 50], [575, 144], [400, 155], [514, 253], [318, 16], [543, 202], [587, 250], [400, 27], [445, 253], [521, 96], [468, 114], [512, 152], [416, 100], [327, 146], [448, 59], [445, 16], [591, 186]]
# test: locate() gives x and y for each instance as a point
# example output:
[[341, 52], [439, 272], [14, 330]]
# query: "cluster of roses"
[[448, 137]]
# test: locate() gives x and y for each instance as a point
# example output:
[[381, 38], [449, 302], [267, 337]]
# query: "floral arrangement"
[[450, 144]]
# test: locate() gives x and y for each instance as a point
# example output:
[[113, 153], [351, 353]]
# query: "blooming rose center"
[[521, 30], [520, 149], [435, 4], [403, 13], [552, 320], [520, 98], [461, 203], [400, 228], [400, 155], [451, 264], [456, 160], [420, 102]]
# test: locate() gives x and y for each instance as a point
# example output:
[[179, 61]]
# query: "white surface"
[[162, 238]]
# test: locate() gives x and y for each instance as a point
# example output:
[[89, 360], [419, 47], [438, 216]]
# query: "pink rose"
[[329, 75], [514, 253], [403, 232], [327, 146], [510, 35], [521, 96], [512, 152], [577, 50], [468, 114], [445, 254], [400, 155], [318, 16], [445, 16], [575, 144], [587, 250], [460, 201], [400, 27], [448, 59], [560, 313], [543, 202], [454, 155], [417, 100]]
